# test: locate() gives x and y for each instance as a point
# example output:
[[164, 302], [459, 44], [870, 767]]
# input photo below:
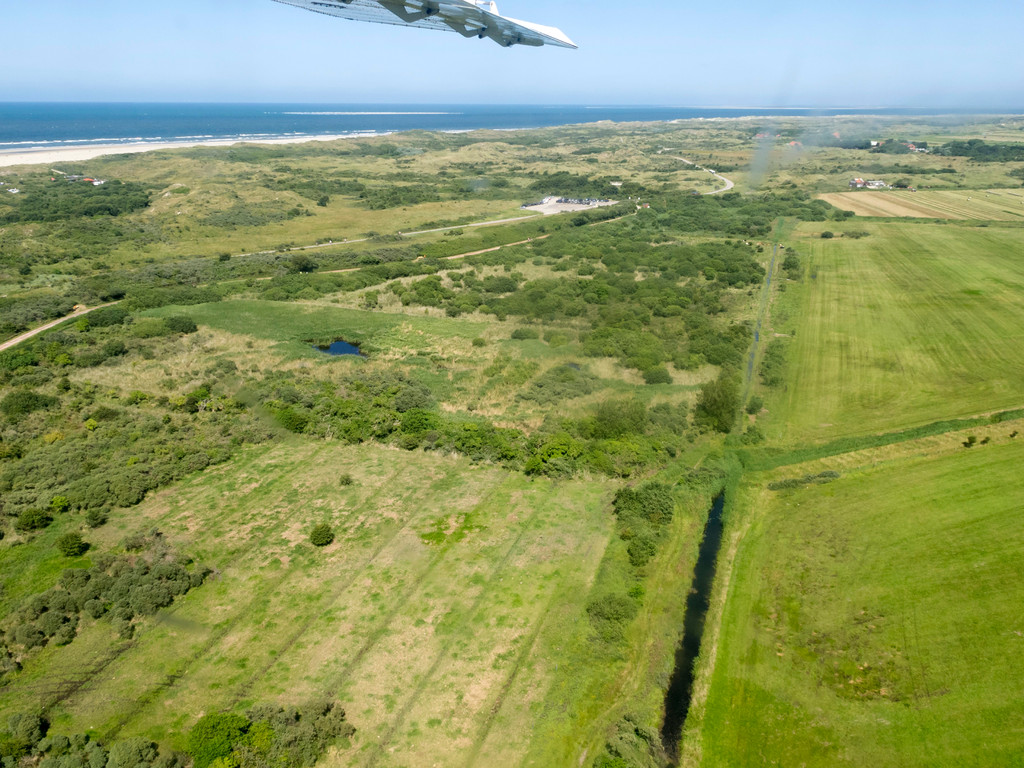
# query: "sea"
[[29, 126]]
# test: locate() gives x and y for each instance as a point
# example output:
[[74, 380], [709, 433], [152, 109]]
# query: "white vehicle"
[[470, 18]]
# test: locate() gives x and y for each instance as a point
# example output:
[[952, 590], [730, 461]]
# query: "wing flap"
[[461, 16]]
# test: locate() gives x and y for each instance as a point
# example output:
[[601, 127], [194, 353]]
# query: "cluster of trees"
[[565, 184], [718, 402], [617, 438], [882, 169], [117, 588], [667, 317], [250, 214], [28, 741], [18, 314], [268, 736], [264, 737], [735, 214], [60, 439], [60, 200], [982, 151], [641, 517]]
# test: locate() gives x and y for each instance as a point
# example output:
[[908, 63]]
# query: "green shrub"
[[657, 375], [214, 736], [791, 266], [60, 504], [321, 535], [753, 435], [181, 324], [717, 403], [558, 384], [523, 334], [610, 614], [135, 752], [32, 520], [71, 545], [292, 420], [24, 401], [149, 328]]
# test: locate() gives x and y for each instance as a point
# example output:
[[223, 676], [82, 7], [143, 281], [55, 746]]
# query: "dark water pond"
[[339, 347], [680, 687]]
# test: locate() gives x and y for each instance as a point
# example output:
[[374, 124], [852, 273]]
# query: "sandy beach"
[[51, 155]]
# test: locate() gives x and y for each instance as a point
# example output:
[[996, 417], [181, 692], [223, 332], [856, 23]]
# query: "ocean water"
[[26, 126]]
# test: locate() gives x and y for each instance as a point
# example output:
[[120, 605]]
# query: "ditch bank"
[[698, 599]]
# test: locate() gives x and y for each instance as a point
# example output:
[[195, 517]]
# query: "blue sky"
[[779, 53]]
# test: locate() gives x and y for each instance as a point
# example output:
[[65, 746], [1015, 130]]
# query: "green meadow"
[[445, 594], [911, 324], [875, 620]]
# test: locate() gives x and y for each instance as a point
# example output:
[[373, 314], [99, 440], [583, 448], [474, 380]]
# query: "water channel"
[[680, 688]]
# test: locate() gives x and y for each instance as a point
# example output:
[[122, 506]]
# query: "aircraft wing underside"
[[463, 16]]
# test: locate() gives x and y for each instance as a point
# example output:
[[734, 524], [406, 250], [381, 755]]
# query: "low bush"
[[71, 545], [321, 535]]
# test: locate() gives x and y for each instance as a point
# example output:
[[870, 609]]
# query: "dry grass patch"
[[984, 205]]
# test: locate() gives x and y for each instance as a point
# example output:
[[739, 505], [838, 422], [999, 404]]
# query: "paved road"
[[29, 334]]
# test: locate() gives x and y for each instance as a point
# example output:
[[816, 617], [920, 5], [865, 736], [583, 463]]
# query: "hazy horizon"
[[874, 55]]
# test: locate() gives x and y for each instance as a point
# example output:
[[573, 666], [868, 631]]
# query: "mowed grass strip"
[[914, 324], [415, 617], [977, 204], [876, 620]]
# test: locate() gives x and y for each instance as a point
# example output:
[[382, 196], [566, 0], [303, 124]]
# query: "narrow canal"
[[680, 689]]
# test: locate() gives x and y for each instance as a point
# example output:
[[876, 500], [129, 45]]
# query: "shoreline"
[[79, 153], [51, 155]]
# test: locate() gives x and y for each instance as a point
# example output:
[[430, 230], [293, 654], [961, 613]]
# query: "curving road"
[[728, 183]]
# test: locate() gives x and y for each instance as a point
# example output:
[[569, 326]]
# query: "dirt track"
[[47, 326]]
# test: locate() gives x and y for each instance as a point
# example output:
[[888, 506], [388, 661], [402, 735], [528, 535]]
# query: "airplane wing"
[[470, 18]]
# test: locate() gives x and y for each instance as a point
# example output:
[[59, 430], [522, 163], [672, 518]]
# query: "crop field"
[[875, 620], [986, 205], [912, 324], [435, 617]]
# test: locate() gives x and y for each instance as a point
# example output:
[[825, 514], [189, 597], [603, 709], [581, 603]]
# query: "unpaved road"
[[728, 183], [29, 334]]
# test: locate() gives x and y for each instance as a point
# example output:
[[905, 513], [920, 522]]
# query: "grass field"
[[875, 620], [484, 379], [912, 324], [436, 617], [986, 205]]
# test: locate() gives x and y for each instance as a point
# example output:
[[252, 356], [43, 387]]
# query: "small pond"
[[339, 347]]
